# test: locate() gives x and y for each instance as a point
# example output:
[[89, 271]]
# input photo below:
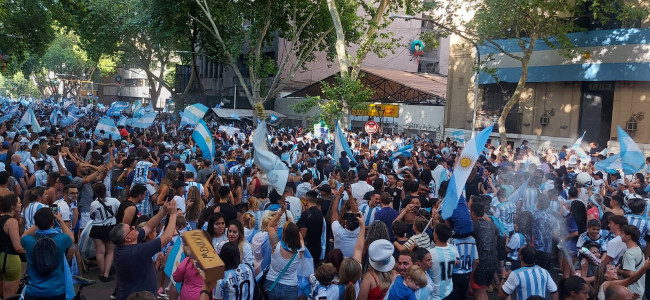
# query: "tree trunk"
[[516, 96]]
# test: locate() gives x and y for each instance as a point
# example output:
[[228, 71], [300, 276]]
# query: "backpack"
[[45, 255]]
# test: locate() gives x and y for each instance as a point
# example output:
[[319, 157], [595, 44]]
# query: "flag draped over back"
[[193, 113], [110, 130], [145, 121], [341, 144], [631, 156], [276, 171], [203, 139], [462, 169]]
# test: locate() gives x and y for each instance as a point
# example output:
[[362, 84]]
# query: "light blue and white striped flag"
[[29, 118], [86, 244], [137, 109], [340, 145], [276, 171], [405, 151], [462, 169], [145, 121], [110, 130], [148, 109], [517, 194], [610, 165], [54, 118], [274, 118], [164, 130], [116, 108], [577, 147], [458, 135], [631, 156], [193, 113], [604, 152], [176, 256], [122, 121], [203, 139], [235, 116]]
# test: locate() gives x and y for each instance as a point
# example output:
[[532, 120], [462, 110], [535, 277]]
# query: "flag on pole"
[[148, 109], [29, 118], [276, 171], [137, 109], [604, 152], [122, 121], [611, 164], [631, 156], [203, 139], [176, 256], [404, 151], [462, 169], [458, 135], [193, 113], [110, 130], [274, 118], [116, 108], [340, 145], [584, 158], [145, 121]]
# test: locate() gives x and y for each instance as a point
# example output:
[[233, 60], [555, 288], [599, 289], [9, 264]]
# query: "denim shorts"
[[281, 291]]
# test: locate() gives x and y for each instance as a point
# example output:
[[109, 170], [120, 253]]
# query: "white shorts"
[[83, 220]]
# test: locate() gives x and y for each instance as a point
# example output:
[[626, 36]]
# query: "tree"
[[17, 85], [69, 62], [242, 32], [363, 30], [125, 28], [531, 22]]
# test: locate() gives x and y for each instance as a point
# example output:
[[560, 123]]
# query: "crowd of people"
[[530, 224]]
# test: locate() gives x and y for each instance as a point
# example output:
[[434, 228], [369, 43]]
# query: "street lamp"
[[478, 56], [380, 113]]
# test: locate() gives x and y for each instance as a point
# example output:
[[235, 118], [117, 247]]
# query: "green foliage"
[[16, 85], [344, 91], [66, 58]]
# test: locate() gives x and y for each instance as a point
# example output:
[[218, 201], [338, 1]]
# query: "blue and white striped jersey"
[[28, 214], [505, 212], [641, 222], [584, 238], [237, 284], [529, 199], [529, 281], [444, 261], [467, 254], [368, 212], [515, 243]]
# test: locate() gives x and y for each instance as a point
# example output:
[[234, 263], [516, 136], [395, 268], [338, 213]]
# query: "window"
[[495, 97]]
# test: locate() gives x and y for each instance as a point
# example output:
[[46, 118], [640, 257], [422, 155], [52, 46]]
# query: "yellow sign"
[[385, 111], [202, 251]]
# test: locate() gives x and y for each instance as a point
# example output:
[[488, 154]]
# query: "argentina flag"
[[631, 156], [462, 169], [516, 196], [203, 139], [404, 151], [611, 164], [54, 117], [122, 121], [584, 158], [110, 131], [276, 171], [193, 113], [340, 145], [458, 135], [145, 121], [137, 109], [175, 257]]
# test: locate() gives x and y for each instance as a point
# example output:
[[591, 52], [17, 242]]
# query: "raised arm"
[[166, 237], [334, 209], [358, 247], [151, 225]]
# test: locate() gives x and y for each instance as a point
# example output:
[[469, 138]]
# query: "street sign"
[[371, 127], [370, 110]]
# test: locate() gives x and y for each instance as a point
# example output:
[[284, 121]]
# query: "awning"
[[392, 86], [232, 113]]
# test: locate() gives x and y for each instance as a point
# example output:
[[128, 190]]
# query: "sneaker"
[[113, 295], [162, 294], [106, 279]]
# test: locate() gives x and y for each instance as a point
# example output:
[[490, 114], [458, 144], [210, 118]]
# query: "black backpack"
[[45, 256]]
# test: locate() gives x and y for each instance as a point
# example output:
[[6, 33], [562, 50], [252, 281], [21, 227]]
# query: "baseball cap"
[[380, 254], [6, 144]]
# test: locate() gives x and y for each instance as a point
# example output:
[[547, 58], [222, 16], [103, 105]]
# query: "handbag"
[[260, 291]]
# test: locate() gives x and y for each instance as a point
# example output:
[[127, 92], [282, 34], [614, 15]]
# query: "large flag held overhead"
[[193, 113], [145, 121], [29, 118], [462, 169], [54, 118], [611, 164], [137, 109], [458, 135], [116, 108], [148, 109], [631, 156], [405, 151], [108, 126], [341, 144], [122, 121], [276, 171], [203, 139]]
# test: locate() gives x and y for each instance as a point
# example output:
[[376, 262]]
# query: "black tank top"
[[119, 216], [5, 240]]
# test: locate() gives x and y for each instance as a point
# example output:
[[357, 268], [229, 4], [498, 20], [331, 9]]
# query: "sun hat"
[[380, 254]]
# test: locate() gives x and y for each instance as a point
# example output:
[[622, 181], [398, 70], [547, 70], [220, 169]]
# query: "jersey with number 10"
[[444, 261], [467, 253], [237, 284]]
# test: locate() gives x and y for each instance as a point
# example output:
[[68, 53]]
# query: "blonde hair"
[[417, 275], [267, 220], [384, 279], [248, 220], [253, 203]]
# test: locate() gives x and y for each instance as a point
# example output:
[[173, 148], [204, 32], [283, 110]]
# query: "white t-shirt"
[[633, 261], [359, 189], [102, 217], [615, 249], [64, 209], [344, 239], [295, 206]]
